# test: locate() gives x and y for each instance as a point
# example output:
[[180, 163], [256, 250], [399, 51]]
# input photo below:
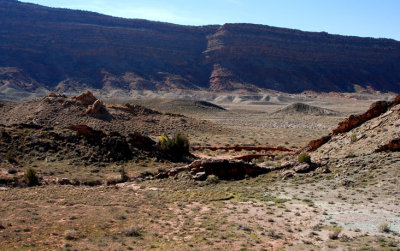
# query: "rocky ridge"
[[376, 130]]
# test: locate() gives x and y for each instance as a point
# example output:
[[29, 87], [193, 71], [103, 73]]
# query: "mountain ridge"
[[55, 46]]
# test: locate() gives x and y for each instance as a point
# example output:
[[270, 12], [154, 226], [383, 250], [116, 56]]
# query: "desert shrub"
[[124, 175], [161, 170], [177, 146], [133, 231], [4, 134], [31, 177], [353, 138], [146, 173], [11, 155], [212, 179], [71, 235], [334, 234], [392, 243], [384, 227], [304, 158]]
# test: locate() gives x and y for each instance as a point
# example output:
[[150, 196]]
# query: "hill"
[[68, 50], [305, 109], [362, 135], [60, 112], [181, 106]]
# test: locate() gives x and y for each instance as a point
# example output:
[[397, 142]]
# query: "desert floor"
[[354, 207]]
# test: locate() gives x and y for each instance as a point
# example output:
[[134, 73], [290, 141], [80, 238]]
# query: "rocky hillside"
[[376, 130], [60, 112], [68, 50]]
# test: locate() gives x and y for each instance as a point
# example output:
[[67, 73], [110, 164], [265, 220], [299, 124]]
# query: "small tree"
[[177, 146], [31, 177]]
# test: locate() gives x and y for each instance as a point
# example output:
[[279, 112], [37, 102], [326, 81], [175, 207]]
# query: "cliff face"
[[55, 47]]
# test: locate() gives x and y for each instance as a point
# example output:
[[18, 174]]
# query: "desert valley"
[[170, 137]]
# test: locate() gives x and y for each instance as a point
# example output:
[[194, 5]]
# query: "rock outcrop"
[[392, 145], [85, 99], [354, 121], [76, 142], [222, 168], [373, 131], [96, 108]]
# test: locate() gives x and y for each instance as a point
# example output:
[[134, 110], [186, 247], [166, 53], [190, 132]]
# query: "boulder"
[[200, 176], [304, 168], [287, 174], [231, 169], [222, 168], [96, 108]]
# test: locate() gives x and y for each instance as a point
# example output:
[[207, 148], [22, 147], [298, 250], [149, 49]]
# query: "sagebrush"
[[31, 177], [177, 146]]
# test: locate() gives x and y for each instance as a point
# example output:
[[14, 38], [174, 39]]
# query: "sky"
[[365, 18]]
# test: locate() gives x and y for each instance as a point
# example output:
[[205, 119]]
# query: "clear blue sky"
[[367, 18]]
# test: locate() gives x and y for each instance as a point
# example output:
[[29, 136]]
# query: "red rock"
[[391, 145], [86, 131], [353, 121], [86, 98], [315, 144]]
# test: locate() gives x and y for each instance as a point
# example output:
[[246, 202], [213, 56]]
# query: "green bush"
[[31, 177], [304, 158], [11, 155], [353, 138], [177, 146]]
